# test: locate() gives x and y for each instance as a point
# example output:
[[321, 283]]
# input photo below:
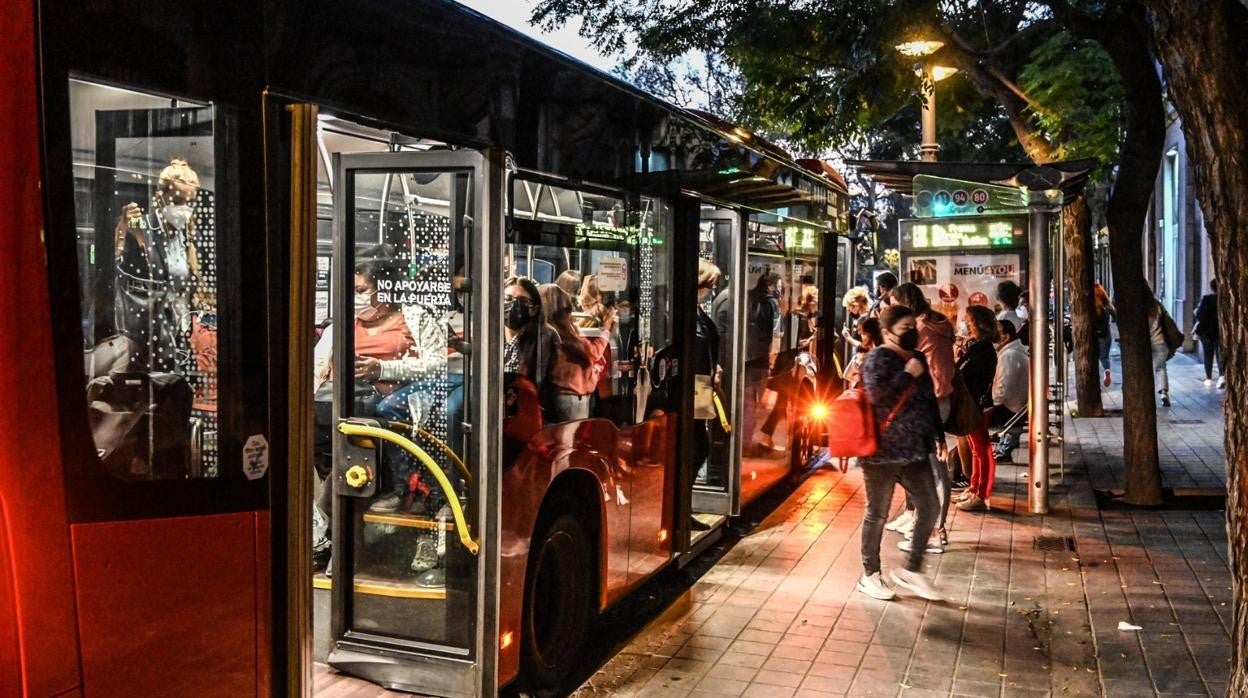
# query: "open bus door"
[[717, 485], [416, 414]]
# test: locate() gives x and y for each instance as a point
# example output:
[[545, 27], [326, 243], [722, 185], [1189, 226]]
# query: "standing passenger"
[[898, 383], [979, 368], [705, 368], [936, 344], [577, 363]]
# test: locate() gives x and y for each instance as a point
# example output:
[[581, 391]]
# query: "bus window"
[[145, 176], [586, 262]]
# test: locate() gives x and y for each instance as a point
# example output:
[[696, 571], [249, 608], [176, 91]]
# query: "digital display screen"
[[963, 233]]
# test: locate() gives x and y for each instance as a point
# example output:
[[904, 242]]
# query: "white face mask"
[[363, 303], [1022, 312], [176, 215], [963, 329]]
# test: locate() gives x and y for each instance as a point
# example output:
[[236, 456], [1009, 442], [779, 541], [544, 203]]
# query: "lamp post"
[[929, 75]]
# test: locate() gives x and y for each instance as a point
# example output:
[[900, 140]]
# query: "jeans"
[[1161, 354], [1102, 346], [944, 489], [1209, 347], [570, 407], [880, 479], [396, 407]]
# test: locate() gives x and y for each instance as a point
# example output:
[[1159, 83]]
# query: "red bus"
[[371, 338]]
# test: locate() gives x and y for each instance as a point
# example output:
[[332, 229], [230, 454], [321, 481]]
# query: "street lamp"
[[929, 75]]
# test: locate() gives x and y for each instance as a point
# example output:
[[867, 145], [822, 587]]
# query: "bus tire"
[[558, 602]]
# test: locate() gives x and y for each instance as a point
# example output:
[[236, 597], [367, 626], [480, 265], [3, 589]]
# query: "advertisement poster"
[[952, 282]]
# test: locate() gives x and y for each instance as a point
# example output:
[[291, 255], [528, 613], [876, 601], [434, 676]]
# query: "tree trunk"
[[1202, 48], [1077, 234], [1124, 35]]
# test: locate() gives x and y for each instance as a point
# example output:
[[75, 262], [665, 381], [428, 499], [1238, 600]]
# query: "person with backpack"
[[1166, 339], [899, 389]]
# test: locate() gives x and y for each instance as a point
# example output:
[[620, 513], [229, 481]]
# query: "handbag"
[[964, 414], [852, 431], [141, 424], [703, 397]]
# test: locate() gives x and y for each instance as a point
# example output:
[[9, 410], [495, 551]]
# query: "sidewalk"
[[778, 615]]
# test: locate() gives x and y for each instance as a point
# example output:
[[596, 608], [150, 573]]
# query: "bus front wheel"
[[558, 602]]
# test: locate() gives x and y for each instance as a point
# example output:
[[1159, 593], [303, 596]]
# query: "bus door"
[[416, 405], [717, 438]]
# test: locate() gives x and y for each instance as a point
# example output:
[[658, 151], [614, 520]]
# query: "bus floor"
[[328, 683]]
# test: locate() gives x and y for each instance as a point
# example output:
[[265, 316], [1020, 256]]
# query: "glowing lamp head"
[[919, 47], [940, 72]]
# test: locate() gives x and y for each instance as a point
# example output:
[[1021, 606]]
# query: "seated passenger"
[[1010, 384], [577, 363], [382, 342]]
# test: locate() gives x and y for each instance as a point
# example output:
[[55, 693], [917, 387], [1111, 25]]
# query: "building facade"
[[1177, 251]]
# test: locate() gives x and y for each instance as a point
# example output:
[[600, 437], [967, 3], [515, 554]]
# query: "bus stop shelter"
[[1044, 189]]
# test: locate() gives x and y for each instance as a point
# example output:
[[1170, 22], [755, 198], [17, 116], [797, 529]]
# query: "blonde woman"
[[157, 271], [856, 303]]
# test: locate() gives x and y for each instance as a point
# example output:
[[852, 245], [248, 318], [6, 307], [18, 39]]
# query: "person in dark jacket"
[[706, 368], [978, 367], [899, 386], [1206, 330]]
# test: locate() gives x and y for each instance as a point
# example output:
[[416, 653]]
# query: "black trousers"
[[1209, 347]]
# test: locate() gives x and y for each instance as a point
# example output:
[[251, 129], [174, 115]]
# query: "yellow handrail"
[[450, 453], [457, 512], [719, 410]]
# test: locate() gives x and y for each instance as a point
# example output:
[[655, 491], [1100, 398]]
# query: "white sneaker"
[[917, 584], [1208, 382], [873, 586], [1221, 382], [973, 503], [963, 496], [905, 518], [933, 546]]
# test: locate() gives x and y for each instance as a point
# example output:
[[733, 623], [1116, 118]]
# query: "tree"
[[1201, 46], [825, 70]]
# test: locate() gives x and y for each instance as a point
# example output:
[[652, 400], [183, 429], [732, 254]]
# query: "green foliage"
[[1082, 96], [824, 75]]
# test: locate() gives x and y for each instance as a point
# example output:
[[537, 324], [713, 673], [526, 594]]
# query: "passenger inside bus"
[[706, 368], [156, 271], [578, 362], [151, 389]]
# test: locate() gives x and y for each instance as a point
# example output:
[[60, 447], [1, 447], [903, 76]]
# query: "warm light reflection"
[[919, 47], [819, 411], [504, 640], [662, 535]]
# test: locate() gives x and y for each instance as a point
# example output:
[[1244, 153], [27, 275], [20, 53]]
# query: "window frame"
[[93, 494]]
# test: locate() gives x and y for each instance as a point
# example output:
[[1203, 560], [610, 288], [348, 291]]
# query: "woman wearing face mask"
[[577, 363], [382, 339], [157, 271], [896, 379], [524, 330], [936, 344]]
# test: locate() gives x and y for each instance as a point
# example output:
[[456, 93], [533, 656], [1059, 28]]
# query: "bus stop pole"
[[1039, 209]]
